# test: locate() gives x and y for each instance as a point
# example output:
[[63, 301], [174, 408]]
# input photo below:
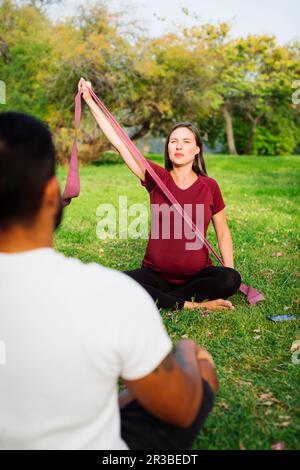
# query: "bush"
[[108, 157], [89, 148], [281, 139], [264, 142]]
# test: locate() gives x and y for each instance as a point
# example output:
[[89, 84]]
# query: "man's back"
[[70, 330]]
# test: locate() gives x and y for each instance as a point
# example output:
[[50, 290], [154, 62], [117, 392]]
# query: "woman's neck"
[[183, 174]]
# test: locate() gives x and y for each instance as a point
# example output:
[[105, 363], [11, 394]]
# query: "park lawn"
[[258, 404]]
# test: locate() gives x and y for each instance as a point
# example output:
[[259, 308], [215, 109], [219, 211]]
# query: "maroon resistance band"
[[72, 188]]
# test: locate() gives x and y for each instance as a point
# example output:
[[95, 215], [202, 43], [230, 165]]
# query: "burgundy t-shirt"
[[167, 252]]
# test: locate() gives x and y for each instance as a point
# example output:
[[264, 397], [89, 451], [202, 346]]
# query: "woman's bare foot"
[[219, 304]]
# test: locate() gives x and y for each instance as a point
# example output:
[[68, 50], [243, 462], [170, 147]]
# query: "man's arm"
[[173, 391]]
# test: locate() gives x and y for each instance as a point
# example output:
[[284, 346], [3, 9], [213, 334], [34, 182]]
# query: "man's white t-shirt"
[[68, 330]]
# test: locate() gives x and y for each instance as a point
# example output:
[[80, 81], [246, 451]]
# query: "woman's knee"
[[231, 281]]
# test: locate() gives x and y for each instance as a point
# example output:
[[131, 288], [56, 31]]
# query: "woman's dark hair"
[[27, 162], [198, 164]]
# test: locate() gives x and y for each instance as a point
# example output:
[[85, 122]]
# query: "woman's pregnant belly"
[[173, 261]]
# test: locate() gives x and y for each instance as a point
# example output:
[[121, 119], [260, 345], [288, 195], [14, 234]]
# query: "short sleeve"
[[144, 341], [149, 182], [218, 201]]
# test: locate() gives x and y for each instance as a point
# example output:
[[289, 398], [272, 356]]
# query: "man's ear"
[[51, 194]]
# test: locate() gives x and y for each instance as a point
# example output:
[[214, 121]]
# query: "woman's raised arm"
[[109, 131]]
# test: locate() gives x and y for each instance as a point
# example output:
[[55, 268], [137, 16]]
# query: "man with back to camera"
[[70, 330]]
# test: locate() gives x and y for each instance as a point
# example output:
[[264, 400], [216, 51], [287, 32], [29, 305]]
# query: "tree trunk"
[[249, 145], [4, 51], [229, 131], [144, 129], [146, 143]]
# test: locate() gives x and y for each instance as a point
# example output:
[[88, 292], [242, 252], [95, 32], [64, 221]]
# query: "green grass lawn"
[[258, 402]]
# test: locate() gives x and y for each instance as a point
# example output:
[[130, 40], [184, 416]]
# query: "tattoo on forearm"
[[168, 364], [180, 357]]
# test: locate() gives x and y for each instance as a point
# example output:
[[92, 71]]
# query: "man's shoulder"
[[77, 268], [92, 275]]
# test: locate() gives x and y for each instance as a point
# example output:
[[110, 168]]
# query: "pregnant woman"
[[175, 271]]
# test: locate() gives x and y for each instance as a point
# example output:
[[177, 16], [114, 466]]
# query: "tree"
[[26, 53], [255, 84]]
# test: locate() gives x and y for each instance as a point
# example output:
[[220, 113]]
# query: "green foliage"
[[241, 131], [147, 83], [107, 158], [279, 139], [264, 142]]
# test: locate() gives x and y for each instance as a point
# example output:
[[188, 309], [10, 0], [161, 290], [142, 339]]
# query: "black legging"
[[213, 282]]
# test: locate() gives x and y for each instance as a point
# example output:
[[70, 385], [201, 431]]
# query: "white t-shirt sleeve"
[[144, 342]]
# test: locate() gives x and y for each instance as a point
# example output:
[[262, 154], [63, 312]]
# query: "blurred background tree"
[[238, 91]]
